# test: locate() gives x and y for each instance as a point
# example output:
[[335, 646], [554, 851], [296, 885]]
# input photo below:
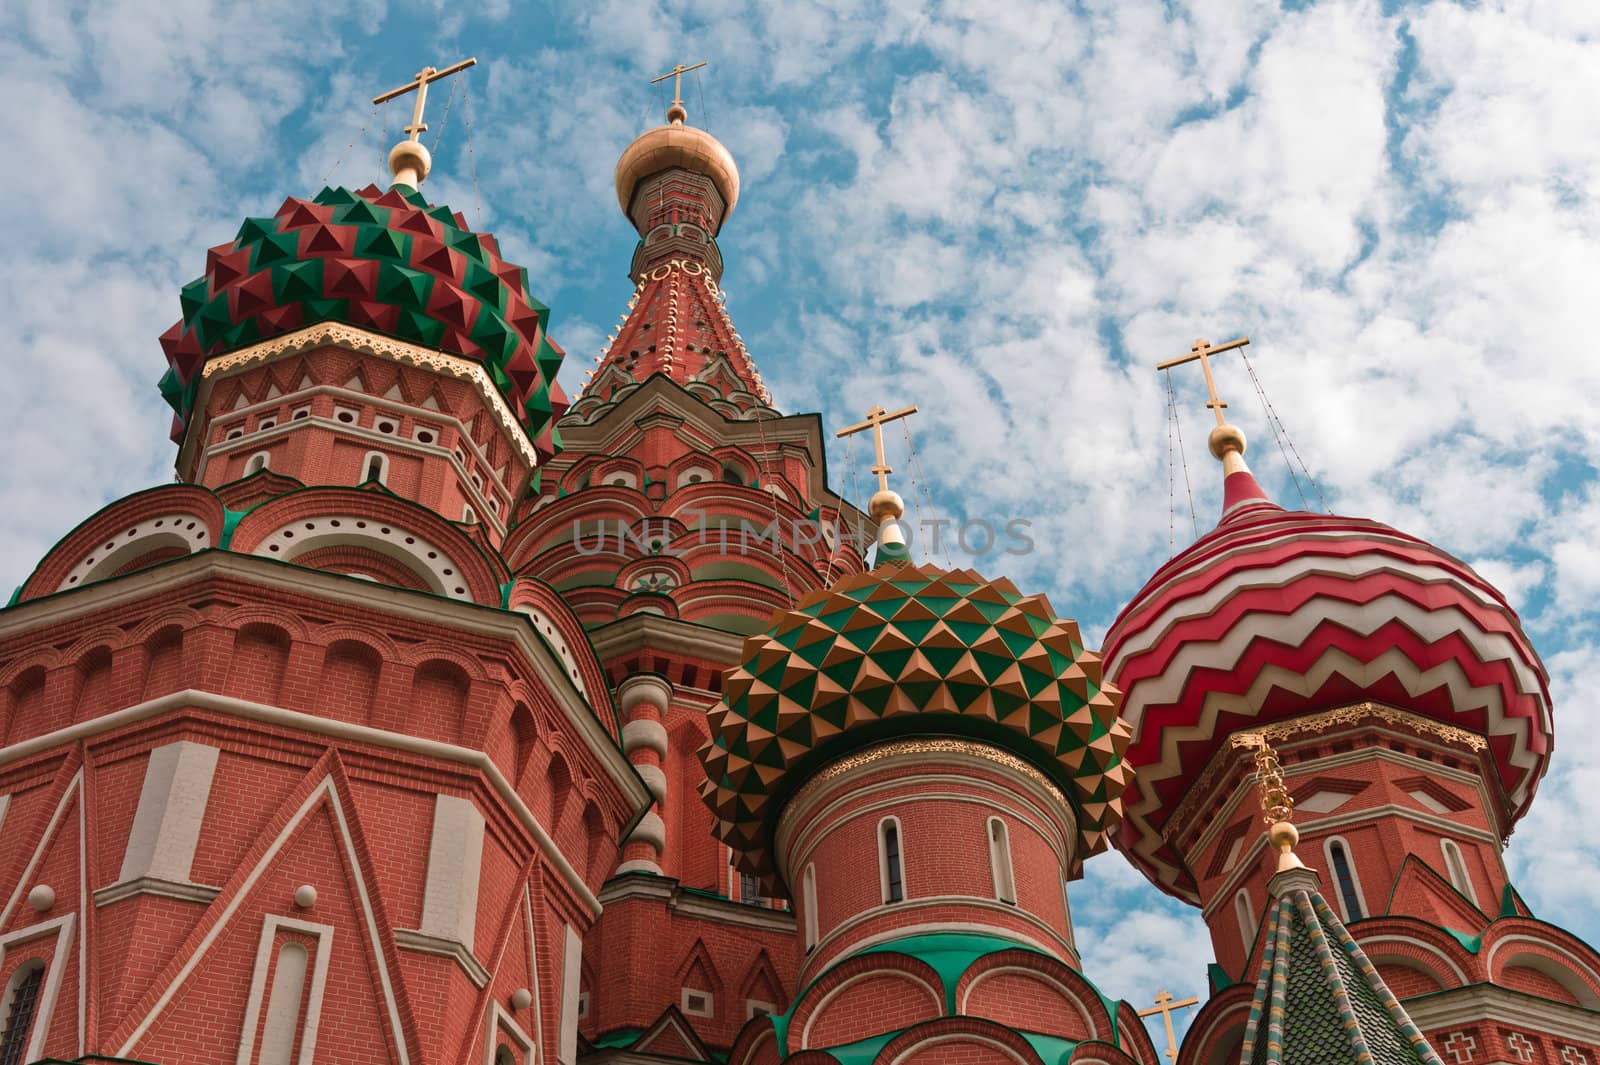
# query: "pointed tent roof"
[[1319, 1000]]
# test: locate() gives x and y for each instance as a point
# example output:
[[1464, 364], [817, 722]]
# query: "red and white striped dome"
[[1278, 613]]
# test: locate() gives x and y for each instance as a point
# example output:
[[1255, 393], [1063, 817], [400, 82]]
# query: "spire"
[[409, 161], [1318, 1000], [677, 184], [1227, 441], [886, 507]]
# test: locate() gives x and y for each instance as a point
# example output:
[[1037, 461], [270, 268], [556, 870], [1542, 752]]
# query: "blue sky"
[[1006, 213]]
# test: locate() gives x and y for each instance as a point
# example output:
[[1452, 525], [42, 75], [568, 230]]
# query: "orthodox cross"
[[876, 417], [419, 85], [676, 74], [1164, 1006], [1203, 350]]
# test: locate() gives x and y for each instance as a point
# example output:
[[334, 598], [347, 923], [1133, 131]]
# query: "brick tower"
[[922, 759], [1412, 718], [293, 768]]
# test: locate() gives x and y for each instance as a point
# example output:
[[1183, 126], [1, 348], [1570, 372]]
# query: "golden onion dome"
[[680, 145]]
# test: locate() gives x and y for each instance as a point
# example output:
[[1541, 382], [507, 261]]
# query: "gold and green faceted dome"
[[906, 651]]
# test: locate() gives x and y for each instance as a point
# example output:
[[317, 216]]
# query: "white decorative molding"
[[146, 885], [1480, 1003], [644, 733], [63, 928], [323, 792], [282, 1023], [455, 864], [423, 943], [501, 1022], [654, 779], [644, 688], [571, 979], [391, 539], [177, 529], [650, 829], [172, 805]]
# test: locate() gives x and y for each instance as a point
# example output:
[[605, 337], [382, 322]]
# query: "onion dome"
[[388, 262], [1275, 614], [913, 650], [682, 146]]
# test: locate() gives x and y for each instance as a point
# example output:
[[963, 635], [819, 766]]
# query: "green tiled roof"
[[1319, 1000]]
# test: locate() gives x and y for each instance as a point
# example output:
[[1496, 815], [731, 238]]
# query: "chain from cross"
[[1203, 350], [419, 85], [1520, 1045], [1164, 1006], [1460, 1046], [876, 419], [676, 74]]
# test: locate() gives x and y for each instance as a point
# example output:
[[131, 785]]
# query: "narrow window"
[[257, 462], [1344, 877], [1454, 864], [22, 1002], [266, 423], [809, 900], [375, 467], [503, 1056], [750, 890], [1005, 884], [1247, 919], [894, 887], [732, 476]]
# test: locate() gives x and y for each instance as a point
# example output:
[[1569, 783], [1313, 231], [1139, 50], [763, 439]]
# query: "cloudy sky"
[[1004, 212]]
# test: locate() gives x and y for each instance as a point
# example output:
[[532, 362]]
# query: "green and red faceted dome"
[[1277, 613], [386, 261], [910, 651]]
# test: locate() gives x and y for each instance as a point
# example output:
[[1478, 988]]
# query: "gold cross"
[[1164, 1006], [419, 85], [1202, 350], [875, 420], [676, 74]]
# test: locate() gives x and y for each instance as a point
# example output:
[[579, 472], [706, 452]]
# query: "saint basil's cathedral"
[[433, 718]]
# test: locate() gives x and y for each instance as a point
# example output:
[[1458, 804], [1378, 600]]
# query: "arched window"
[[1005, 883], [1343, 869], [1456, 866], [21, 1003], [375, 467], [1247, 918], [809, 900], [257, 462], [468, 515], [503, 1056], [890, 873], [731, 475]]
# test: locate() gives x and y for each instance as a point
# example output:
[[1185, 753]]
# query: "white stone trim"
[[1582, 991], [1244, 911], [455, 866], [644, 733], [1479, 1003], [146, 885], [654, 779], [296, 537], [1355, 877], [571, 980], [323, 726], [265, 950], [28, 871], [1043, 977], [423, 943], [533, 977], [926, 1044], [1052, 943], [1373, 946], [650, 829], [64, 928], [173, 529], [322, 792], [557, 642], [172, 805], [1456, 871], [644, 688], [808, 897], [500, 1020], [870, 974], [638, 865]]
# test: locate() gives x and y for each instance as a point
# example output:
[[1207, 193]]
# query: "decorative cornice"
[[151, 885], [365, 342], [918, 748], [423, 943], [1226, 760], [1477, 1003], [646, 887]]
